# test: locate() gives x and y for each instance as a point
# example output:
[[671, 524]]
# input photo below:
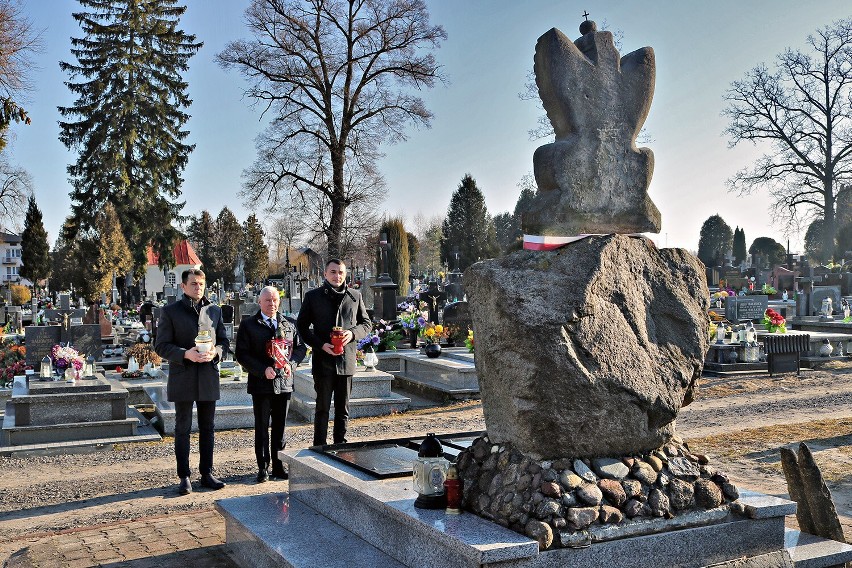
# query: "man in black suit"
[[270, 388], [332, 305], [193, 375]]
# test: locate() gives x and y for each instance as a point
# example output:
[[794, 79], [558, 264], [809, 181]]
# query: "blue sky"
[[480, 125]]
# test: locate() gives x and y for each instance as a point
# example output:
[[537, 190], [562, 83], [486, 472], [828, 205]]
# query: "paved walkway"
[[188, 540]]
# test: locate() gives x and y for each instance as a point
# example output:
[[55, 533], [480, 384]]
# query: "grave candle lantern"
[[430, 472], [46, 370], [203, 341], [89, 368], [337, 335]]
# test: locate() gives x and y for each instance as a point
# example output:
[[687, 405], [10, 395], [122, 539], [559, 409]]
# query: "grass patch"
[[759, 446]]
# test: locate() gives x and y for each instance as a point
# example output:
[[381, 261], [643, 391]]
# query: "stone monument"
[[592, 178], [606, 342]]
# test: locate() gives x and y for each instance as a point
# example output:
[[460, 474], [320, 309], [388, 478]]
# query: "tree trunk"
[[829, 224]]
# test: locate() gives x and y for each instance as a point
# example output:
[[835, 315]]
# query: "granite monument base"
[[335, 515], [371, 395]]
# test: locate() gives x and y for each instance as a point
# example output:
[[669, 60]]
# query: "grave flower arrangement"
[[369, 343], [433, 333], [414, 315], [12, 362], [388, 336], [65, 356], [774, 322], [468, 341]]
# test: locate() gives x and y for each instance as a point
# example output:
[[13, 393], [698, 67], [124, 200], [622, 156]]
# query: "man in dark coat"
[[332, 305], [270, 388], [193, 374]]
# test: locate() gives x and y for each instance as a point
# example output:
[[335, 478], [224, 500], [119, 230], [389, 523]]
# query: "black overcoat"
[[250, 352], [318, 314], [176, 333]]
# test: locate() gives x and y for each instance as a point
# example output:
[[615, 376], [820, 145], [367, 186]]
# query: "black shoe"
[[185, 487], [262, 476], [210, 482], [280, 474]]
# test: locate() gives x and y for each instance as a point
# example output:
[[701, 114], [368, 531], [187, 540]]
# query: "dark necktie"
[[270, 324]]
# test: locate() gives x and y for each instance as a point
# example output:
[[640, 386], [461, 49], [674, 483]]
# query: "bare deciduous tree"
[[16, 185], [19, 41], [802, 113], [337, 75]]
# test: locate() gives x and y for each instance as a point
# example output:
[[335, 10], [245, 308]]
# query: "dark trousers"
[[325, 386], [266, 407], [183, 424]]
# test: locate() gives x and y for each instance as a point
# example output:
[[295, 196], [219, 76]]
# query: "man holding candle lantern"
[[193, 372], [333, 305], [269, 349]]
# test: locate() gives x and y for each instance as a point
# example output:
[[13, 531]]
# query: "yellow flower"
[[439, 329]]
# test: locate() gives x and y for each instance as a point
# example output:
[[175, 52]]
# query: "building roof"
[[184, 254], [10, 238]]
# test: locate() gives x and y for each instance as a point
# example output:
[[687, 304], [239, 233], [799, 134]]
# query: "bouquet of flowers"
[[65, 356], [468, 341], [774, 322], [369, 343], [414, 314], [434, 333], [388, 335]]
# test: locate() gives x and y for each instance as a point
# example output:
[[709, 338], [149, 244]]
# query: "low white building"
[[10, 249], [157, 279]]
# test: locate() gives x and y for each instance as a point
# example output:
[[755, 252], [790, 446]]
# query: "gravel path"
[[40, 495]]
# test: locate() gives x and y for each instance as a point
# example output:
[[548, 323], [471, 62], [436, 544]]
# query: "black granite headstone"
[[741, 308], [64, 302], [39, 341], [86, 339], [819, 293], [227, 313]]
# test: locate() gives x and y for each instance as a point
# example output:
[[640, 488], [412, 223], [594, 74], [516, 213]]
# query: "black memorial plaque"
[[86, 339], [393, 458], [39, 341], [383, 460], [741, 308]]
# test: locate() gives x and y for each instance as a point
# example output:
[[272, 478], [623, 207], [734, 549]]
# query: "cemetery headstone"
[[40, 340], [457, 317], [86, 339], [248, 309], [434, 298], [64, 302], [819, 293], [228, 314], [740, 308]]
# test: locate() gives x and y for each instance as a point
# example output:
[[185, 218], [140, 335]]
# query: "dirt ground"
[[739, 422]]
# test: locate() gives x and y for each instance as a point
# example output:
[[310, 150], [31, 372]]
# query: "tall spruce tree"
[[127, 121], [229, 236], [35, 249], [201, 233], [255, 250], [468, 227]]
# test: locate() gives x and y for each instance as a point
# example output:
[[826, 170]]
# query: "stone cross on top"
[[592, 178], [384, 246]]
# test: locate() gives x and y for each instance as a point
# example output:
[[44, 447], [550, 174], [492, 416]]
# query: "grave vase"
[[412, 338], [432, 350]]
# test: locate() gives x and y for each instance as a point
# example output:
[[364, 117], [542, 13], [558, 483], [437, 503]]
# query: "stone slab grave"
[[366, 519], [233, 409], [443, 377], [55, 414], [371, 395]]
